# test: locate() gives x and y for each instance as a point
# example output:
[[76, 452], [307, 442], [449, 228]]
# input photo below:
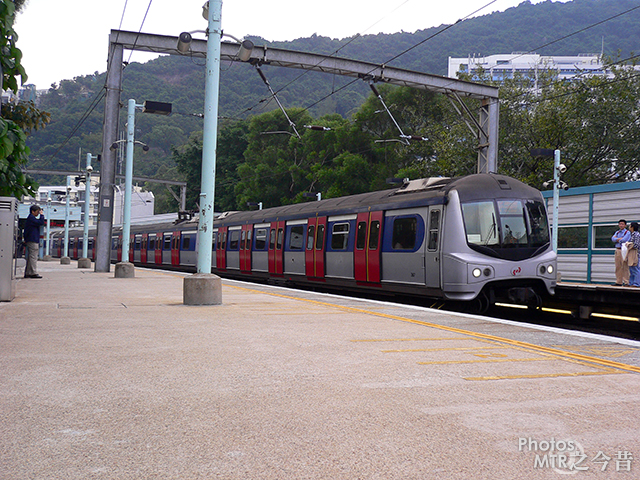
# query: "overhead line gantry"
[[485, 125]]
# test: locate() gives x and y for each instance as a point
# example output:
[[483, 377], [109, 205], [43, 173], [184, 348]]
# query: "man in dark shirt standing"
[[32, 240]]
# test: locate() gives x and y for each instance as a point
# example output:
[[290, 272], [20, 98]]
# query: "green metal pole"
[[210, 137]]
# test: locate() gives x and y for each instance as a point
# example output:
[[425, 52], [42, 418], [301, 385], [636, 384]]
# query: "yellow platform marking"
[[530, 346], [609, 371], [499, 360], [438, 349], [488, 355], [603, 351], [407, 339]]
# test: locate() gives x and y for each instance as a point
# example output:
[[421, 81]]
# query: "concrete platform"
[[117, 379]]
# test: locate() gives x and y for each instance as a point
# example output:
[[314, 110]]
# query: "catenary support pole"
[[85, 262], [204, 288], [107, 168], [125, 269]]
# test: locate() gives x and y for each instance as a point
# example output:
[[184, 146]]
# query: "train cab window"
[[320, 238], [434, 230], [272, 239], [404, 233], [361, 235], [261, 238], [310, 236], [480, 223], [340, 236], [296, 237], [512, 222]]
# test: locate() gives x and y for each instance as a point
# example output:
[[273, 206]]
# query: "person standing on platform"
[[619, 238], [632, 256], [32, 240]]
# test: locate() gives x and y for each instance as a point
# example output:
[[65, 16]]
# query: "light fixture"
[[184, 42]]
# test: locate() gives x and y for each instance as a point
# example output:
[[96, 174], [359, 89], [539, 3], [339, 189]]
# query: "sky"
[[63, 39]]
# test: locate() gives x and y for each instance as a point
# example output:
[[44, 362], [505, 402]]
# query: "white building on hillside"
[[503, 66]]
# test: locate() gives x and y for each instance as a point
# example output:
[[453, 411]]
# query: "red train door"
[[245, 248], [221, 248], [143, 247], [159, 245], [175, 248], [75, 247], [119, 251], [276, 247], [132, 245], [366, 255], [314, 252]]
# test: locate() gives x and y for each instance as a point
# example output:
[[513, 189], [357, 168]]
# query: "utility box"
[[8, 236]]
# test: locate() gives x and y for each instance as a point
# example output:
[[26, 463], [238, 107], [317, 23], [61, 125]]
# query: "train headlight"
[[550, 269], [476, 272]]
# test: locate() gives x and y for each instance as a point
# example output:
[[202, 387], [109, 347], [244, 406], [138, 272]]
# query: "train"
[[474, 240]]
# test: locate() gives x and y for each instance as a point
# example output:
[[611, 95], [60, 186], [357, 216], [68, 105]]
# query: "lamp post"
[[85, 262]]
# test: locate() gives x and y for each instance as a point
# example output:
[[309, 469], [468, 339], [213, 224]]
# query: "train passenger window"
[[296, 240], [272, 239], [152, 243], [167, 242], [261, 238], [340, 236], [310, 236], [434, 230], [185, 243], [320, 238], [224, 241], [404, 233], [234, 239], [280, 239], [374, 234], [361, 235]]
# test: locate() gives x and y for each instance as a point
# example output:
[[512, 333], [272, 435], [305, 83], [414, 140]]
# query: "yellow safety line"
[[407, 339], [552, 351], [543, 375], [499, 360], [443, 349]]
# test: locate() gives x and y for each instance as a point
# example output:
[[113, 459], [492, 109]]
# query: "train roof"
[[428, 191]]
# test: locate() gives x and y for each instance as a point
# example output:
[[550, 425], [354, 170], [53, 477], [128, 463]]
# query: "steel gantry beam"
[[486, 125]]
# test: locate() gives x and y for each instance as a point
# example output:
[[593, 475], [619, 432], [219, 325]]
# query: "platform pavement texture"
[[105, 378]]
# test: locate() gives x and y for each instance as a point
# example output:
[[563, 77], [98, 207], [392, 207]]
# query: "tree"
[[17, 120]]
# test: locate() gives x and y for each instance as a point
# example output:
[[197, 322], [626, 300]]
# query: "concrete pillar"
[[202, 289]]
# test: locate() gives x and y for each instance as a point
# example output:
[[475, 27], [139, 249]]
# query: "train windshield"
[[505, 228]]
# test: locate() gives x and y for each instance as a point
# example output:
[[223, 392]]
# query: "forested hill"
[[546, 28]]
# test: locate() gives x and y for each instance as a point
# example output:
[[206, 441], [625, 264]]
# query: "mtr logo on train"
[[516, 271]]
